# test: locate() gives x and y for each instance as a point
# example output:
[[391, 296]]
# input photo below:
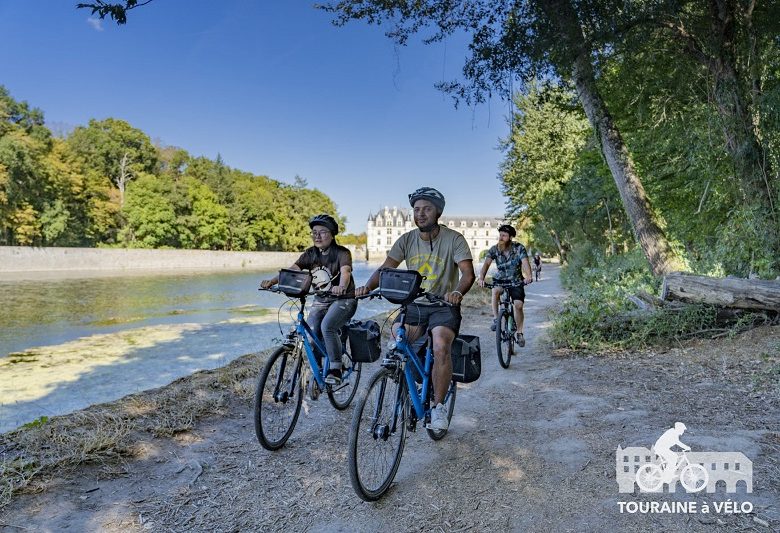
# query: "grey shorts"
[[431, 316]]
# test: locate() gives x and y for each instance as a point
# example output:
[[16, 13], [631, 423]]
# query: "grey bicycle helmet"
[[326, 221], [506, 228], [430, 194]]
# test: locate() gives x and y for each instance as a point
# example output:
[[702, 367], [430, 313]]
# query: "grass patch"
[[106, 432], [598, 315]]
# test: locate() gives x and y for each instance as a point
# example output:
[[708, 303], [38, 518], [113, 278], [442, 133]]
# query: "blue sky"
[[273, 87]]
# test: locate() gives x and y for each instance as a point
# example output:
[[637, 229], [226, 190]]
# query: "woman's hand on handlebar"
[[481, 282], [338, 290], [267, 283]]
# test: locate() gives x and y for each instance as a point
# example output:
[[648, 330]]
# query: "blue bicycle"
[[396, 399], [280, 388]]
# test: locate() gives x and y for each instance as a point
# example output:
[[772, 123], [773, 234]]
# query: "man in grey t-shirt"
[[441, 255]]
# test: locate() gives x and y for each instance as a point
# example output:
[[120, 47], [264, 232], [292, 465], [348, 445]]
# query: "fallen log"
[[724, 292]]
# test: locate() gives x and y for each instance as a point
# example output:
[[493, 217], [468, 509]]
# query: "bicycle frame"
[[303, 331], [407, 355]]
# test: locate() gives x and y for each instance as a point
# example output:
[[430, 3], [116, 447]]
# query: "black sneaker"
[[493, 326], [333, 378]]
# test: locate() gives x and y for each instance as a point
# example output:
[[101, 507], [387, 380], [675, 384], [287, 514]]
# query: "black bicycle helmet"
[[430, 194], [508, 229], [326, 221]]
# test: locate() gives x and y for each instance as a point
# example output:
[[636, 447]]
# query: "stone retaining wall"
[[28, 259]]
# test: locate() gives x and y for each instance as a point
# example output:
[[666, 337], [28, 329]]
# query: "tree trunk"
[[647, 229], [123, 177], [725, 292], [560, 245]]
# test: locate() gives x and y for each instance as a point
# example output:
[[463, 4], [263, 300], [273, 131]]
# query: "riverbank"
[[18, 261]]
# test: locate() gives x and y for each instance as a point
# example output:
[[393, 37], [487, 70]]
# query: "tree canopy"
[[107, 184]]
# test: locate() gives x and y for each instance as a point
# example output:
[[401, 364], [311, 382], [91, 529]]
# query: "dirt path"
[[531, 448]]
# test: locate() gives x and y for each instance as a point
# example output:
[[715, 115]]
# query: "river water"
[[68, 343]]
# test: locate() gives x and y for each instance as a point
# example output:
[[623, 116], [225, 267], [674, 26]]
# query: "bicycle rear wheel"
[[449, 406], [278, 397], [504, 344], [377, 434], [342, 395]]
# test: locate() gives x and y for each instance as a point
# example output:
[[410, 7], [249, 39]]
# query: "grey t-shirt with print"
[[437, 260]]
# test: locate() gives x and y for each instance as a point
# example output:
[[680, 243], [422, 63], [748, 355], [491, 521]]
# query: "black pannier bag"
[[294, 283], [466, 359], [399, 286], [364, 341]]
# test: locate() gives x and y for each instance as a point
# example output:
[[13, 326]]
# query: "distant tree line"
[[107, 184]]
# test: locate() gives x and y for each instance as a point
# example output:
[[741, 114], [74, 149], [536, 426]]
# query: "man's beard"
[[429, 228]]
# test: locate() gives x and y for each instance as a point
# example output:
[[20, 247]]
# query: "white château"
[[384, 227]]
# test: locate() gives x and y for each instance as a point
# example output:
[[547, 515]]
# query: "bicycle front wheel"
[[278, 398], [377, 434], [694, 478], [342, 395], [504, 345]]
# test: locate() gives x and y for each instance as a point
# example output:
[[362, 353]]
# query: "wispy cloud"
[[96, 23]]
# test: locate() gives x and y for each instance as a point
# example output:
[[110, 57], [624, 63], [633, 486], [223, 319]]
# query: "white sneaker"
[[439, 418]]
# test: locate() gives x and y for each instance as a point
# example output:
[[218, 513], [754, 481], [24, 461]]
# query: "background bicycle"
[[400, 394], [506, 328], [280, 387]]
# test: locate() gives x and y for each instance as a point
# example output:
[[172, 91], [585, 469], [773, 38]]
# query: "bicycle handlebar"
[[506, 285], [430, 297], [275, 288]]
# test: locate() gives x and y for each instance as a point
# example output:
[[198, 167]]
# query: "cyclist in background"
[[537, 265], [443, 256], [331, 267], [513, 267]]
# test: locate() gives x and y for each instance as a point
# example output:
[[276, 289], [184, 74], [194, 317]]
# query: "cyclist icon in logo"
[[693, 477]]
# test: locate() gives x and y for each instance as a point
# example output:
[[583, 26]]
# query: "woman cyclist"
[[331, 267]]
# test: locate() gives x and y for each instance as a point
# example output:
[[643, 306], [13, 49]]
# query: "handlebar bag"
[[399, 286], [294, 283]]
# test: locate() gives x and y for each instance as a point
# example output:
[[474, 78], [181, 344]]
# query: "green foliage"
[[38, 422], [106, 184], [598, 314], [349, 238]]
